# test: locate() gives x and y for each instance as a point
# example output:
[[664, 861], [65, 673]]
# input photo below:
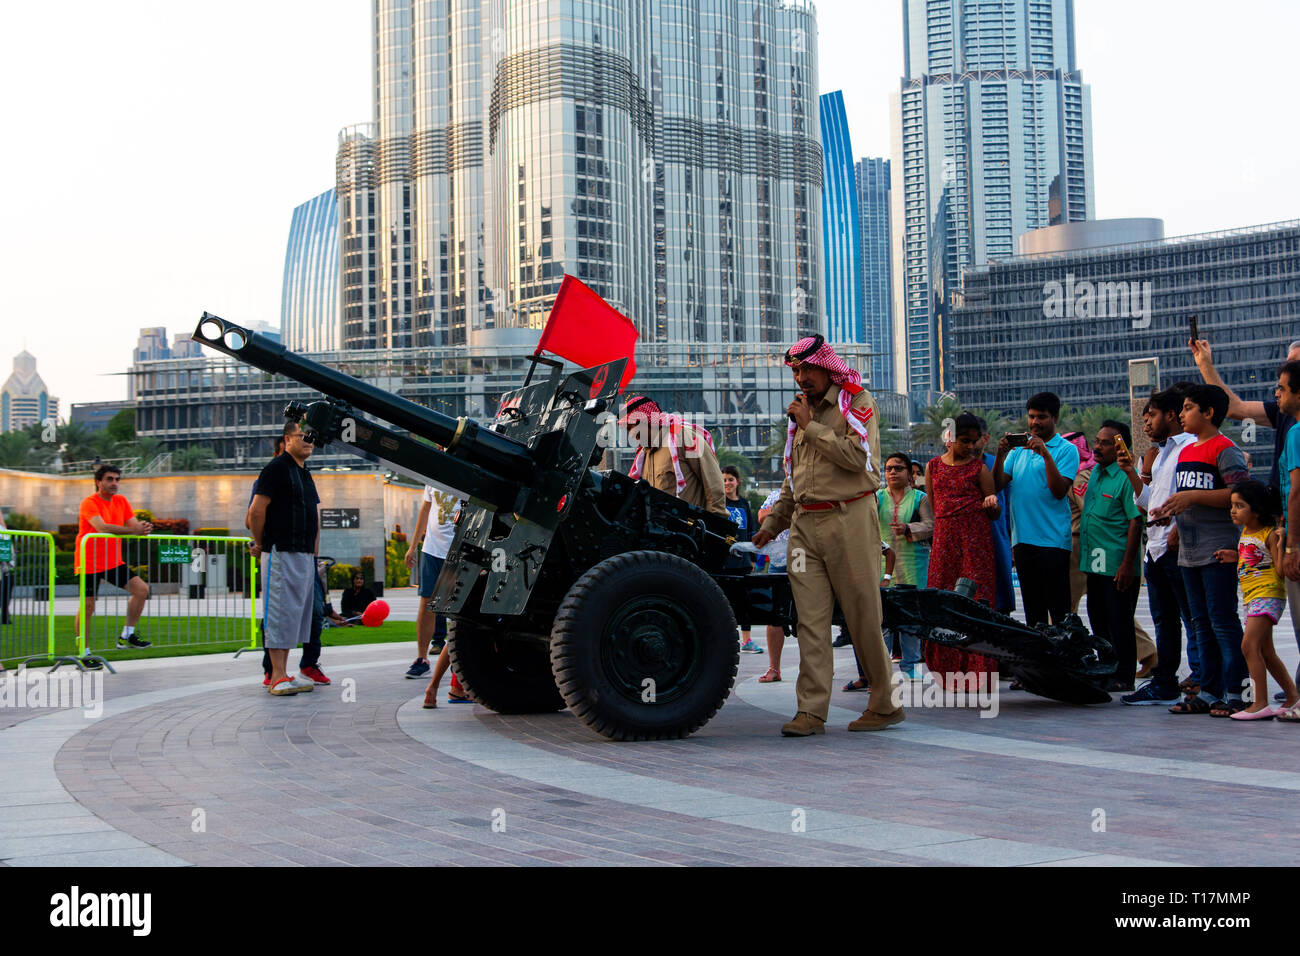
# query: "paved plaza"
[[193, 763]]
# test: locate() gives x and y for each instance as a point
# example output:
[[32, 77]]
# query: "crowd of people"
[[1076, 520]]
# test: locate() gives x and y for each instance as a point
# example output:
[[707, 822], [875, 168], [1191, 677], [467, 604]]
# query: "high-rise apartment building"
[[992, 138], [665, 152], [872, 181], [309, 298], [840, 222]]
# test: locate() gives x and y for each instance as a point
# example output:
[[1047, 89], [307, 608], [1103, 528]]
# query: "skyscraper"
[[840, 221], [24, 399], [667, 153], [309, 298], [872, 180], [992, 138]]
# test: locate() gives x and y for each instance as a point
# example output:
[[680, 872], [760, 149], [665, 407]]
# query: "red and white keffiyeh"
[[814, 351], [644, 415]]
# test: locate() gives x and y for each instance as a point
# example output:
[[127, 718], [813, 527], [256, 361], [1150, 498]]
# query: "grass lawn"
[[178, 636]]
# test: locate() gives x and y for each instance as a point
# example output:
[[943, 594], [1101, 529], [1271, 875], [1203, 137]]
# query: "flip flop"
[[853, 685], [455, 699]]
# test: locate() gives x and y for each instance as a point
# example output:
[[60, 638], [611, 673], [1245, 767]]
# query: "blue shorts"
[[430, 568]]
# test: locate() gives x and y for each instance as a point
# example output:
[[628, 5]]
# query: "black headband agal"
[[793, 356], [637, 403]]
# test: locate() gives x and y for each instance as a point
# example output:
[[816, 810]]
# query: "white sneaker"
[[304, 685]]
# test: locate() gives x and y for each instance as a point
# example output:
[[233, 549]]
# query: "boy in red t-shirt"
[[108, 512]]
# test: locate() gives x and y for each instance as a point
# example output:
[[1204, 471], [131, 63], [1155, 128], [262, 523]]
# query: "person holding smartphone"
[[1039, 469]]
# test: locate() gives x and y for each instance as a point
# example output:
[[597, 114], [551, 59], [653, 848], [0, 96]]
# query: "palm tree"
[[775, 450], [930, 431], [193, 458], [1088, 420], [76, 440], [147, 449], [727, 456], [16, 450]]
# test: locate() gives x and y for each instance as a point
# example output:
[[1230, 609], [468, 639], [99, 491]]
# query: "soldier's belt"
[[831, 505]]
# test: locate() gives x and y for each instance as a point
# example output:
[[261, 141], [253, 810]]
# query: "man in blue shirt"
[[1039, 475]]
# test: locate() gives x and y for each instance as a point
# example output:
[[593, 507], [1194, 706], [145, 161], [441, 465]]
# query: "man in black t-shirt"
[[286, 531]]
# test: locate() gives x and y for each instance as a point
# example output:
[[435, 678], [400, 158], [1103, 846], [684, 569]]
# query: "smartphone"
[[1191, 324], [1119, 441], [1018, 439]]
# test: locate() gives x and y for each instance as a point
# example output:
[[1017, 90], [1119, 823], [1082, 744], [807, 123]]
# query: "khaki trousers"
[[835, 555], [1079, 583]]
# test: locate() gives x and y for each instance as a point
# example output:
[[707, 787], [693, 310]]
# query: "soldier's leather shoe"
[[870, 720], [804, 725]]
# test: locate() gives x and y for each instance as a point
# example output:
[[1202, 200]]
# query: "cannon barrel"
[[461, 436]]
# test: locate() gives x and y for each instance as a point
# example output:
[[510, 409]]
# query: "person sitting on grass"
[[357, 598], [1258, 557]]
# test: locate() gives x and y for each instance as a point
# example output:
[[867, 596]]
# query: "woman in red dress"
[[960, 487]]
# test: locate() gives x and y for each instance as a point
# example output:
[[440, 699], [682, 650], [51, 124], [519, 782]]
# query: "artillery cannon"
[[564, 585]]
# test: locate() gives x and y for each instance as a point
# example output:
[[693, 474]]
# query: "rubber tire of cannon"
[[507, 676], [645, 612]]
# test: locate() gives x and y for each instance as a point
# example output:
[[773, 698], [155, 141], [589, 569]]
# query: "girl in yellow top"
[[1259, 562]]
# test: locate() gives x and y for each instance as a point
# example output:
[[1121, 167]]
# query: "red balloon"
[[375, 613]]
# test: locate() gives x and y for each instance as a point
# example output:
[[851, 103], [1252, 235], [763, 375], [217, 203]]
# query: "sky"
[[157, 148]]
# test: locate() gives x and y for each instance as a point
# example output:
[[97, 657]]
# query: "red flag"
[[587, 330]]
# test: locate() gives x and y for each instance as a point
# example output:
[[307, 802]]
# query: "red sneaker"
[[314, 674]]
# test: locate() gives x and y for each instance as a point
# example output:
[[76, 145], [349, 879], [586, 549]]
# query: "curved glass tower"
[[309, 298], [840, 225], [664, 151]]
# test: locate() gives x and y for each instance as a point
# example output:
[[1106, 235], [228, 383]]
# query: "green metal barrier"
[[26, 596], [201, 590]]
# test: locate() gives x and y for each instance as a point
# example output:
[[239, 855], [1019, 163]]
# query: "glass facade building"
[[871, 177], [665, 152], [992, 138], [309, 298], [840, 222], [1069, 321]]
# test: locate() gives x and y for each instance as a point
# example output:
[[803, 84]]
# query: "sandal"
[[771, 677], [853, 684], [1221, 708], [1289, 715], [1190, 705]]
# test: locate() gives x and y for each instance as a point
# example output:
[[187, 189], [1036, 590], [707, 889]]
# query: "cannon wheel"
[[645, 647], [504, 672]]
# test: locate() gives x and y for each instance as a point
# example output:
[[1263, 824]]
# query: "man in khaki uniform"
[[675, 456], [828, 502]]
